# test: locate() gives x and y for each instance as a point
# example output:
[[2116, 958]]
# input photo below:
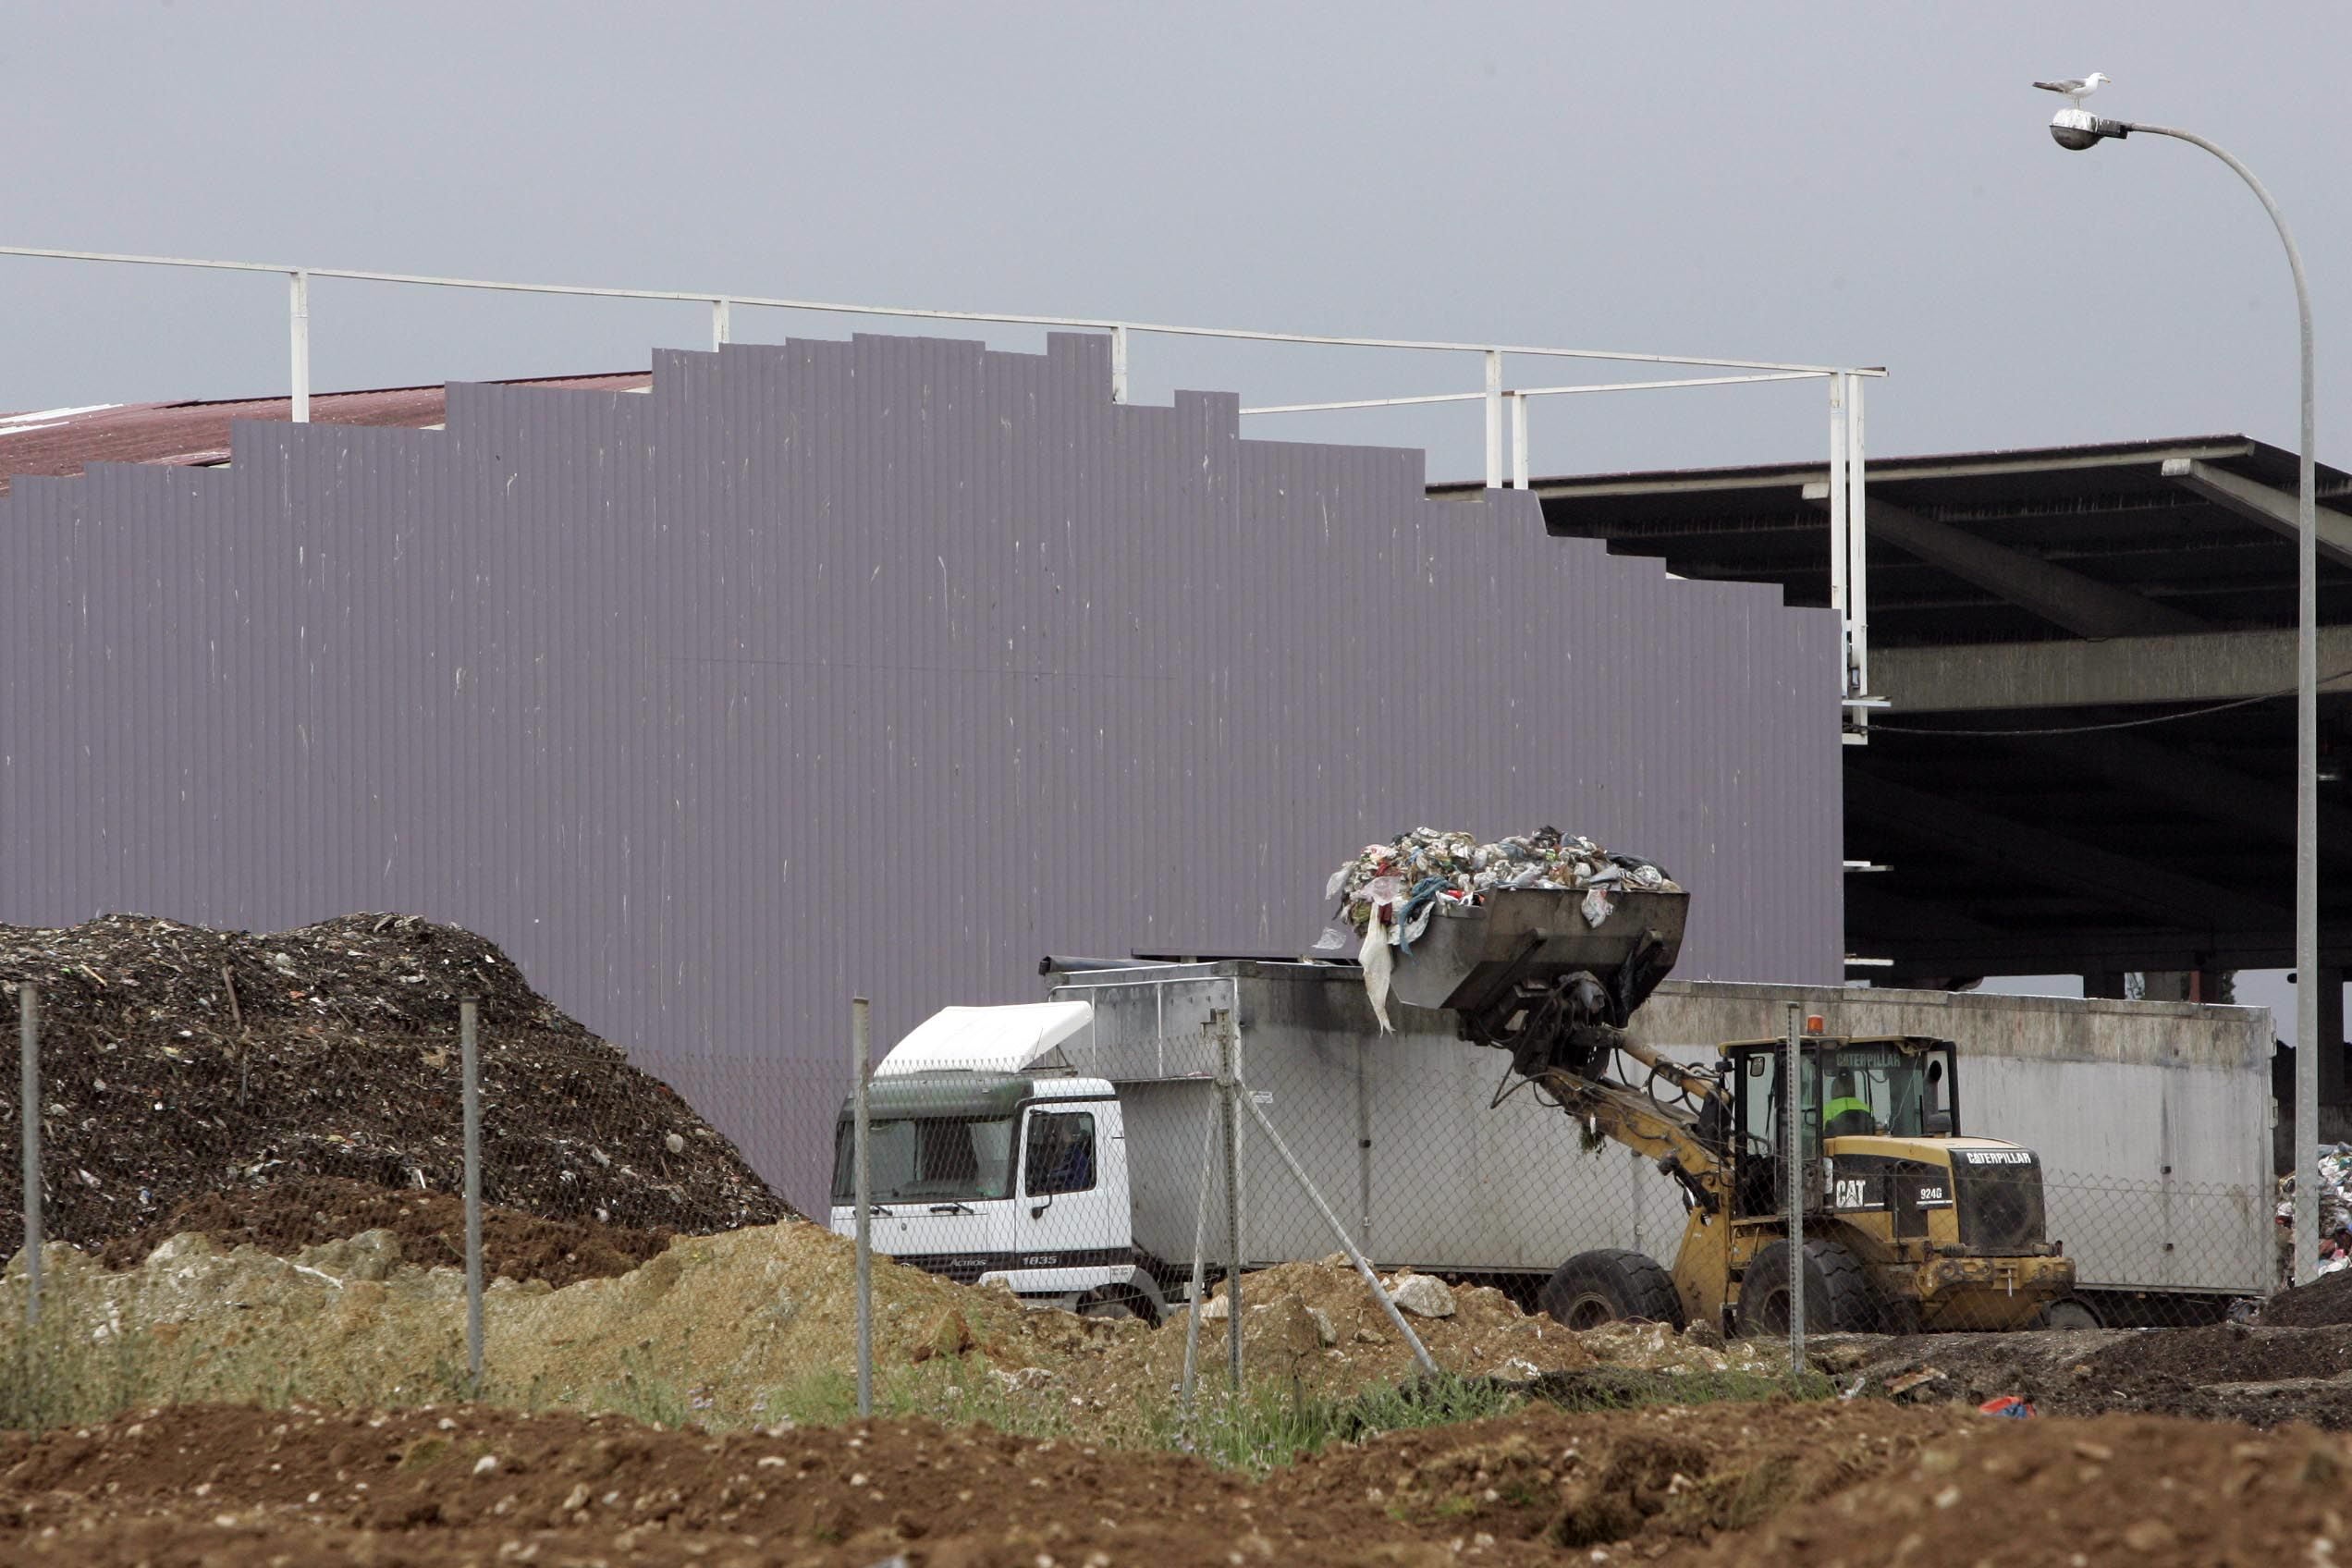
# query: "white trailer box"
[[2151, 1119]]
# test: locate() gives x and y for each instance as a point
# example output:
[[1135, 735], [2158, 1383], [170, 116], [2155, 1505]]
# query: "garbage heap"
[[178, 1062], [1388, 892], [2335, 1213]]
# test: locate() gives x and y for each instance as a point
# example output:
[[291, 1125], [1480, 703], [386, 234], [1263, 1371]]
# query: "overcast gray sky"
[[1846, 183], [1866, 184]]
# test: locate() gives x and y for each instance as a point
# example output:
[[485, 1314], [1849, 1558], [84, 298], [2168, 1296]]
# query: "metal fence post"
[[1228, 1088], [1363, 1264], [861, 1066], [1118, 364], [1841, 551], [1518, 441], [1200, 1263], [298, 312], [469, 1068], [721, 325], [1494, 419], [28, 1106], [1858, 535], [1794, 1089]]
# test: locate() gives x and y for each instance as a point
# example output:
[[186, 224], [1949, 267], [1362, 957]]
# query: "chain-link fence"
[[353, 1209], [1236, 1157], [1440, 1160]]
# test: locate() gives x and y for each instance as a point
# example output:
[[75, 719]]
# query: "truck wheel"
[[1838, 1297], [1111, 1302], [2072, 1312], [1610, 1285]]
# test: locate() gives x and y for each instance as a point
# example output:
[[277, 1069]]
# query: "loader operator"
[[1847, 1115]]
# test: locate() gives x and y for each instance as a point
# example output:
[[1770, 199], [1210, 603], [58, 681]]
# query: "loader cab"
[[1891, 1086]]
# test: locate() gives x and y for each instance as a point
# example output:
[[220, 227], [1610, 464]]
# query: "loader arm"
[[1667, 1133], [1533, 974]]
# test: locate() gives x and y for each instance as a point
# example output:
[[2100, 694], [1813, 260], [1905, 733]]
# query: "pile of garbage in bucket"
[[1390, 891], [1425, 865]]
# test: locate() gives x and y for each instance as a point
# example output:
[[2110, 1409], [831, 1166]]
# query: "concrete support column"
[[2189, 985], [2106, 984]]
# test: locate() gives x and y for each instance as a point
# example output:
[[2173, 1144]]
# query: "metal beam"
[[2060, 595], [2264, 807], [2078, 949], [2164, 898], [2204, 666], [1874, 917], [1568, 487], [2256, 502]]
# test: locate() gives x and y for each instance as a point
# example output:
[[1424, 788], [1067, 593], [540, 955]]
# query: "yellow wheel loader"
[[1909, 1223]]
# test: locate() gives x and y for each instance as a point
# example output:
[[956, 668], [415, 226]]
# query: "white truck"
[[984, 1165], [1064, 1147]]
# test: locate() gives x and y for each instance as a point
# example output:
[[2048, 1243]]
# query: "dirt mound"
[[307, 1211], [2325, 1302], [178, 1062], [1315, 1327], [736, 1327], [1651, 1478], [727, 1327], [2152, 1492], [1832, 1484], [2263, 1377], [460, 1487], [474, 1484]]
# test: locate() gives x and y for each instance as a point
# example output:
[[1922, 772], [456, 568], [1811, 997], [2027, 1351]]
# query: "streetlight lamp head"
[[2078, 130]]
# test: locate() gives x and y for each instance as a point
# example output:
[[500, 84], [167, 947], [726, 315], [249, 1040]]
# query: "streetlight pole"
[[2076, 130]]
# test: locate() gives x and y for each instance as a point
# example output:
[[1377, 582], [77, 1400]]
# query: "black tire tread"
[[1837, 1280], [1635, 1282]]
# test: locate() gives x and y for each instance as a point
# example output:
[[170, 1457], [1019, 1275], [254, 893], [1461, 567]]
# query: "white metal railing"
[[1504, 406]]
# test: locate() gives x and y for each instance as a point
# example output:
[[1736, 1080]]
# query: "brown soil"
[[1832, 1485], [2324, 1302], [427, 1487], [178, 1062], [306, 1211], [2263, 1377], [2143, 1491]]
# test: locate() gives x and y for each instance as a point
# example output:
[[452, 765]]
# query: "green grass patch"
[[1268, 1424], [1625, 1388], [68, 1368]]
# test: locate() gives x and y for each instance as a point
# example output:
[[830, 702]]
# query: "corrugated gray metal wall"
[[883, 666]]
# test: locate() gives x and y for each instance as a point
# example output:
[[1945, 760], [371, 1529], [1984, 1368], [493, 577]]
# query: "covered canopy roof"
[[2085, 765]]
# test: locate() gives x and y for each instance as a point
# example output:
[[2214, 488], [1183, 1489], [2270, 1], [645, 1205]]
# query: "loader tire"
[[1610, 1285], [2069, 1312], [1838, 1296], [1113, 1302]]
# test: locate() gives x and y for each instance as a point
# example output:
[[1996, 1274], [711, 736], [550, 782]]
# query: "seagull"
[[2077, 88]]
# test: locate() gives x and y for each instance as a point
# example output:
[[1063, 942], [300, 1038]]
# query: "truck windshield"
[[1887, 1090], [939, 1158]]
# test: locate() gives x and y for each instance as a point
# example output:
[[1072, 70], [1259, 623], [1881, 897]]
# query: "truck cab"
[[991, 1163]]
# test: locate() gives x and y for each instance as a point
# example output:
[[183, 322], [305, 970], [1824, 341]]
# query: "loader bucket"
[[1472, 955]]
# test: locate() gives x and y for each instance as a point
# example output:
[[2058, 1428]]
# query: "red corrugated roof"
[[194, 434]]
